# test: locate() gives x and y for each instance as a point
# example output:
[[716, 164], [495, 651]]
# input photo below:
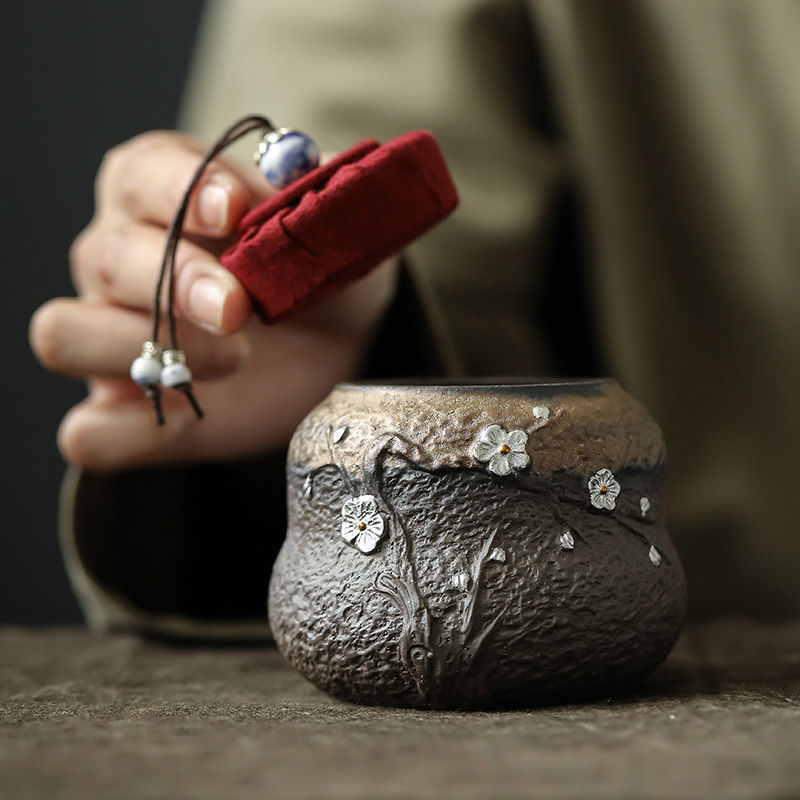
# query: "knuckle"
[[129, 186], [126, 170], [120, 173], [83, 439], [66, 440], [95, 255], [79, 252], [154, 139], [110, 167], [103, 266], [78, 248], [77, 440], [120, 168], [45, 333]]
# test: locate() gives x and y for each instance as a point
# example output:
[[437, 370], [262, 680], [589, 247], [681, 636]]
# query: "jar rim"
[[501, 385]]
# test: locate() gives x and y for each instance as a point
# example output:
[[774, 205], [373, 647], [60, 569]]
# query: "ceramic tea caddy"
[[476, 546]]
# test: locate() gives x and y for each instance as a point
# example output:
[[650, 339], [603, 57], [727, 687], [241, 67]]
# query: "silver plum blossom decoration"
[[604, 489], [505, 451], [362, 525], [340, 433], [541, 413], [567, 541], [460, 581]]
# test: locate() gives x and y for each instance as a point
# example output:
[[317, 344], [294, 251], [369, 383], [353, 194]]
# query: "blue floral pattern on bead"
[[288, 158]]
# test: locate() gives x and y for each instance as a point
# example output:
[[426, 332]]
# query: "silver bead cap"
[[173, 357], [270, 138], [151, 350]]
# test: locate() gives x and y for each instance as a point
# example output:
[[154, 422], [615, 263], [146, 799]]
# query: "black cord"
[[154, 393], [240, 128], [167, 271]]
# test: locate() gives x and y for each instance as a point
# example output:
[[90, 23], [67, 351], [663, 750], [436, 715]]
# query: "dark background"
[[79, 77]]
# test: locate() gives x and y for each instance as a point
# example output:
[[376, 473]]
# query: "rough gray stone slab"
[[89, 717]]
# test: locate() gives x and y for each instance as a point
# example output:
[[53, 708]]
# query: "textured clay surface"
[[483, 590]]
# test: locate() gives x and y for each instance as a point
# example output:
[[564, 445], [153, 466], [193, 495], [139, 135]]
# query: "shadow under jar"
[[476, 546]]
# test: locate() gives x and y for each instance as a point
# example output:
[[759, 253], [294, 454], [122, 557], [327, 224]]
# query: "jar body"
[[476, 546]]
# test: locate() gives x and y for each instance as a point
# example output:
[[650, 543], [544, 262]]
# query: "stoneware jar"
[[476, 546]]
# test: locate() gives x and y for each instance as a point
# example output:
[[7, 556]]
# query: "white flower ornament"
[[503, 450], [604, 489], [362, 525]]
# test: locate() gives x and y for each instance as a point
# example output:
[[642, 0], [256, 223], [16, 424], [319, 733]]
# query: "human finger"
[[81, 339], [145, 179], [114, 428], [121, 263], [104, 436]]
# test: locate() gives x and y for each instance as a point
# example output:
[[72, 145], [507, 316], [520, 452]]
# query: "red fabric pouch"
[[339, 221]]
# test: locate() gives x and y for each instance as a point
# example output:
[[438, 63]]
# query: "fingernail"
[[207, 302], [212, 207]]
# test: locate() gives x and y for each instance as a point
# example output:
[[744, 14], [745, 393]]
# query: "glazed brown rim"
[[478, 383]]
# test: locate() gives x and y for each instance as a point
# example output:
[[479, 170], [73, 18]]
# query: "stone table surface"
[[89, 716]]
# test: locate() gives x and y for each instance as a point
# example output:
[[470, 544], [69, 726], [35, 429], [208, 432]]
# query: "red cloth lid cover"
[[339, 221]]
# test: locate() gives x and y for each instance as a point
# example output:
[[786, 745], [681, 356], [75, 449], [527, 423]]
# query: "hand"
[[255, 382]]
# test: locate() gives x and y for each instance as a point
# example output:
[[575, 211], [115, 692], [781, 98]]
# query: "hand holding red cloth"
[[339, 221]]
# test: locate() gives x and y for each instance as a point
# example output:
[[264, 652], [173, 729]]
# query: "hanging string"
[[236, 131], [294, 155]]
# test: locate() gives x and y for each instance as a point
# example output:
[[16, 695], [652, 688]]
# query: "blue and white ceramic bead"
[[175, 373], [285, 155], [146, 369]]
